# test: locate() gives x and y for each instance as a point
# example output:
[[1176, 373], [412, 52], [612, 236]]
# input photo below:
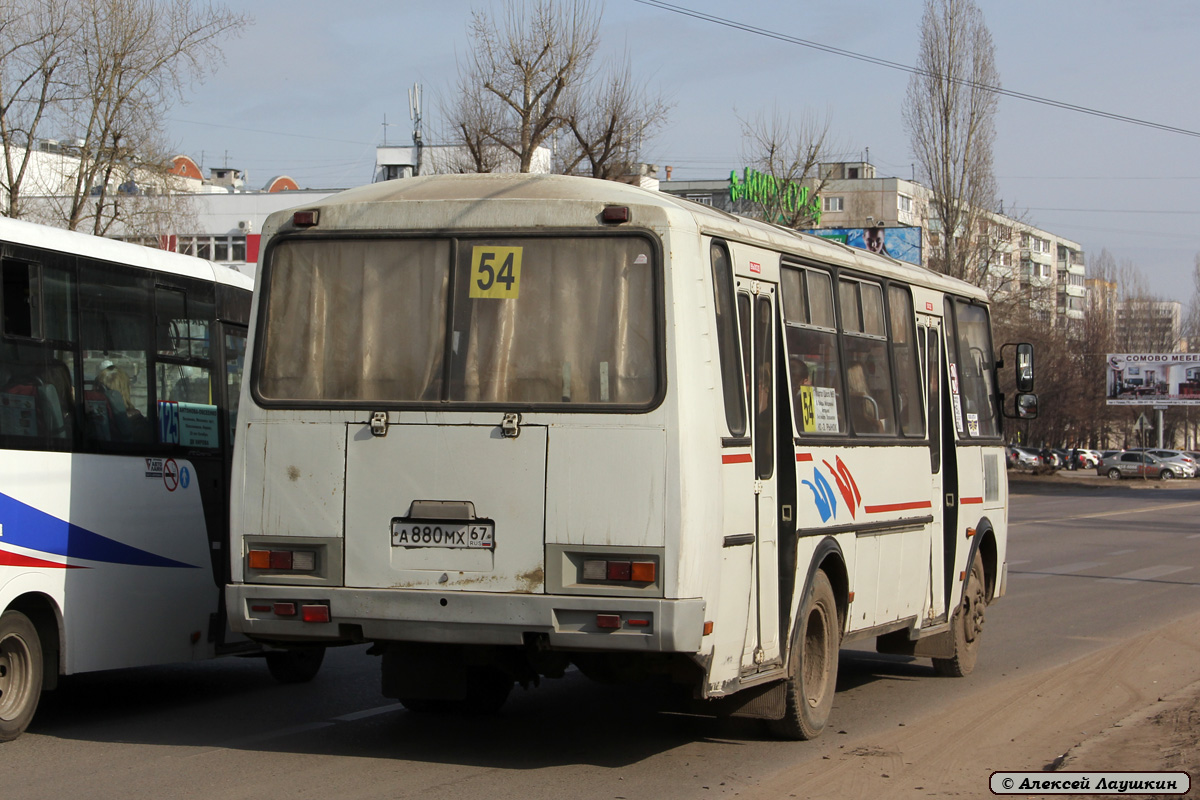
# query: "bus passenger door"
[[929, 337], [757, 320]]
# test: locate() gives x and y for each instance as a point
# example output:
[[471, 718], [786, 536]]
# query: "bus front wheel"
[[967, 625], [20, 673], [812, 666]]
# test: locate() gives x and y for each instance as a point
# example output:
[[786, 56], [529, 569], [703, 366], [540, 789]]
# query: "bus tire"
[[966, 625], [487, 690], [812, 665], [20, 673], [295, 665]]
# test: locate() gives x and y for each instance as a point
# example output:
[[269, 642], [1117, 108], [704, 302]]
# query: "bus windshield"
[[553, 320]]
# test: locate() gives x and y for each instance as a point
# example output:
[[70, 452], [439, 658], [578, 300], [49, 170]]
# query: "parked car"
[[1023, 458], [1175, 456], [1089, 459], [1133, 464]]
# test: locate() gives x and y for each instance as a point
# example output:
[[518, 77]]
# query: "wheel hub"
[[14, 675]]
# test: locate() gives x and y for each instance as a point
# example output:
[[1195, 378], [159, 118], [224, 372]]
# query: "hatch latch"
[[510, 426], [379, 423]]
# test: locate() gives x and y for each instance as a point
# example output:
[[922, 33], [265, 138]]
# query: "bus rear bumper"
[[407, 615]]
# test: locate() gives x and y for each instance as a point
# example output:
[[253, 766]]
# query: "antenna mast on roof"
[[414, 113]]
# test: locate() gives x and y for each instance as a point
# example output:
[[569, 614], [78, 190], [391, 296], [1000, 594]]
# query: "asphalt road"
[[1090, 564]]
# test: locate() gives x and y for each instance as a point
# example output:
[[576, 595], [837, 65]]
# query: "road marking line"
[[1065, 569], [1146, 573], [1139, 510], [292, 730], [1122, 552], [370, 712]]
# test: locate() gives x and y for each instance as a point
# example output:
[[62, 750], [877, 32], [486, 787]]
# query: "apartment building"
[[852, 204]]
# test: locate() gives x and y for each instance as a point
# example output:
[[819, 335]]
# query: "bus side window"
[[727, 339], [810, 334], [115, 341], [868, 376], [908, 381]]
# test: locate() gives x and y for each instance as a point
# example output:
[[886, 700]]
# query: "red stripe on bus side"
[[10, 559], [898, 507], [804, 456], [971, 501], [737, 458]]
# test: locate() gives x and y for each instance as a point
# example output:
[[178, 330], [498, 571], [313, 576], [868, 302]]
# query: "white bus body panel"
[[133, 596], [504, 479]]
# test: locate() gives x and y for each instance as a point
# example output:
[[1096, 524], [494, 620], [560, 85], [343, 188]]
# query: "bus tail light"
[[620, 570], [315, 612], [284, 609], [288, 560]]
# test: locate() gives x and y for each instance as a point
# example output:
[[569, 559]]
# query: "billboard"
[[1148, 379], [902, 244]]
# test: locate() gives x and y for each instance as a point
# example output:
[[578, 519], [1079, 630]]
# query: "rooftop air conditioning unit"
[[245, 226]]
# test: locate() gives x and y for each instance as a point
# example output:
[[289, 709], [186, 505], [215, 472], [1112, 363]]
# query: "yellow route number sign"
[[808, 413], [495, 272]]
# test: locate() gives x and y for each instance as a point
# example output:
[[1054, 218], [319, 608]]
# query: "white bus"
[[498, 425], [120, 371]]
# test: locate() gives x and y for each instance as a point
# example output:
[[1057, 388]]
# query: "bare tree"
[[134, 58], [608, 122], [475, 115], [34, 37], [520, 71], [1191, 323], [949, 113], [786, 155], [103, 73]]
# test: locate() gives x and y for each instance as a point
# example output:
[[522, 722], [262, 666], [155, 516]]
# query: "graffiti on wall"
[[758, 187]]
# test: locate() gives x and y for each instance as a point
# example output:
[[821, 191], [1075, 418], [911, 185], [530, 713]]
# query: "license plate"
[[467, 535]]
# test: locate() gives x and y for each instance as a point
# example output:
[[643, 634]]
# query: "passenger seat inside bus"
[[30, 406], [108, 420]]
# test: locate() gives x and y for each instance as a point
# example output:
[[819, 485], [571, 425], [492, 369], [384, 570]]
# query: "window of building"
[[904, 203], [833, 203]]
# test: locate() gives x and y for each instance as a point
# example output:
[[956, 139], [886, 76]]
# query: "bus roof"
[[98, 247], [482, 201]]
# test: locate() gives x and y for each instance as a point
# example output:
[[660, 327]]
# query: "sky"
[[306, 90]]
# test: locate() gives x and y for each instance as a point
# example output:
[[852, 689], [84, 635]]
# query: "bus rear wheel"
[[812, 666], [20, 673], [967, 625], [296, 665]]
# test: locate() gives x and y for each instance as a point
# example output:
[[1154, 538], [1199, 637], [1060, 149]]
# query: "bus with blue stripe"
[[120, 370]]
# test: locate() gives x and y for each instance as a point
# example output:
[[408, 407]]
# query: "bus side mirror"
[[1026, 406], [1025, 372]]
